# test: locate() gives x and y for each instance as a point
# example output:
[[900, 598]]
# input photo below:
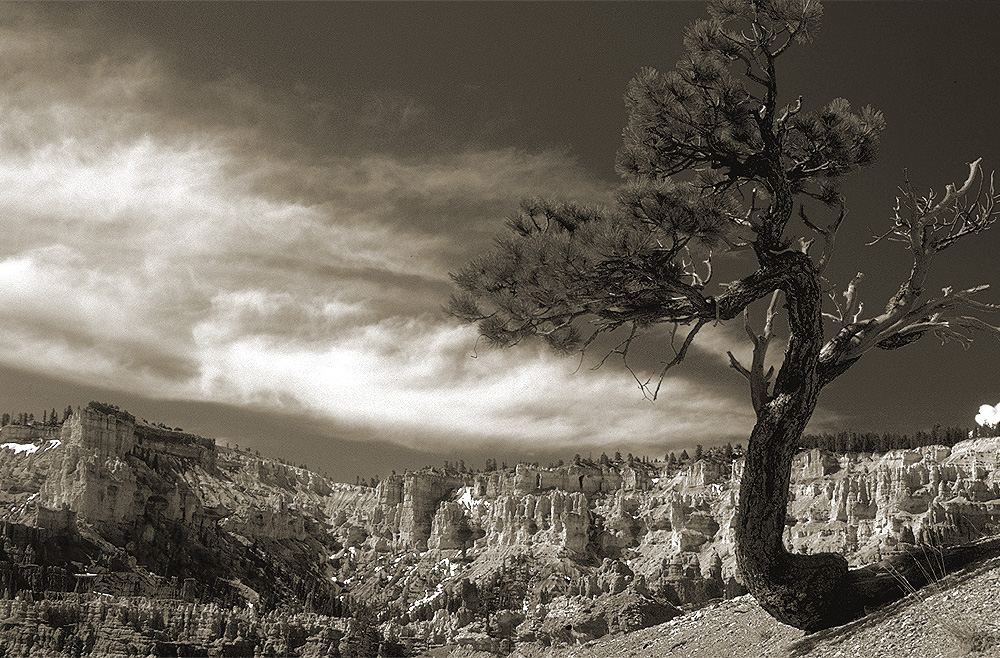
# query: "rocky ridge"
[[109, 509]]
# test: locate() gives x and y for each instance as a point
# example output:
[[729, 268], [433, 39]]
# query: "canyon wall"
[[108, 506], [624, 533]]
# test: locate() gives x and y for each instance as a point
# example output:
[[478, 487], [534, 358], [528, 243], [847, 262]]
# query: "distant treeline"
[[111, 410], [853, 441], [724, 455], [47, 418]]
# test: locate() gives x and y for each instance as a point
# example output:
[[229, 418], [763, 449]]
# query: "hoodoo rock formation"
[[119, 536]]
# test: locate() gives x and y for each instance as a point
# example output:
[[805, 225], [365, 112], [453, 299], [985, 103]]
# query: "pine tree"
[[712, 159]]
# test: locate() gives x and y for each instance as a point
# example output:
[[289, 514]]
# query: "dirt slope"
[[959, 616]]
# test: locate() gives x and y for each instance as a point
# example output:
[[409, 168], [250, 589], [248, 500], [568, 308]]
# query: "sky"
[[240, 218]]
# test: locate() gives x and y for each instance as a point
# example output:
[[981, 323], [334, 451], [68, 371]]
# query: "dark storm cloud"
[[178, 236], [259, 205]]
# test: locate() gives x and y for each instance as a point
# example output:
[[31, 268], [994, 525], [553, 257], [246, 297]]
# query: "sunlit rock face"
[[103, 435], [422, 494], [106, 503], [869, 505]]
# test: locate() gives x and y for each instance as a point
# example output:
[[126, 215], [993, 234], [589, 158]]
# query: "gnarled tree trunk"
[[815, 591], [805, 591]]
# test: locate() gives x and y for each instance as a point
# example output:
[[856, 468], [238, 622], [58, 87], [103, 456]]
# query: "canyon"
[[118, 537]]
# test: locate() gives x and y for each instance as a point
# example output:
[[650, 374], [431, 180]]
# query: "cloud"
[[417, 380], [161, 238], [988, 415]]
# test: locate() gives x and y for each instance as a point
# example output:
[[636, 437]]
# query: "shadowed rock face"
[[108, 507]]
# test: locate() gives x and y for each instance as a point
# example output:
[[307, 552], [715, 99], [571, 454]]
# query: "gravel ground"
[[959, 616]]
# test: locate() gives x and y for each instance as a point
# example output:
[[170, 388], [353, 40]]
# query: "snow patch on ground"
[[466, 500], [431, 596], [18, 448]]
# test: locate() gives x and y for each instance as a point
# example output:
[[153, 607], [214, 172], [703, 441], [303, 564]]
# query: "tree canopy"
[[711, 165]]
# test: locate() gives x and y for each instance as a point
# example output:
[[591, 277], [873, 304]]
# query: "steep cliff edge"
[[107, 508]]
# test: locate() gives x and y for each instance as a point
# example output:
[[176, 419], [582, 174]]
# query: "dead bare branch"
[[736, 365], [829, 234], [926, 225], [755, 375]]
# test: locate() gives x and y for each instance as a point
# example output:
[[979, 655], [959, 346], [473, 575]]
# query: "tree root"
[[896, 576], [817, 592]]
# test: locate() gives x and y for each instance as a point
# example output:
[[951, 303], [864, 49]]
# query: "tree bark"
[[805, 591]]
